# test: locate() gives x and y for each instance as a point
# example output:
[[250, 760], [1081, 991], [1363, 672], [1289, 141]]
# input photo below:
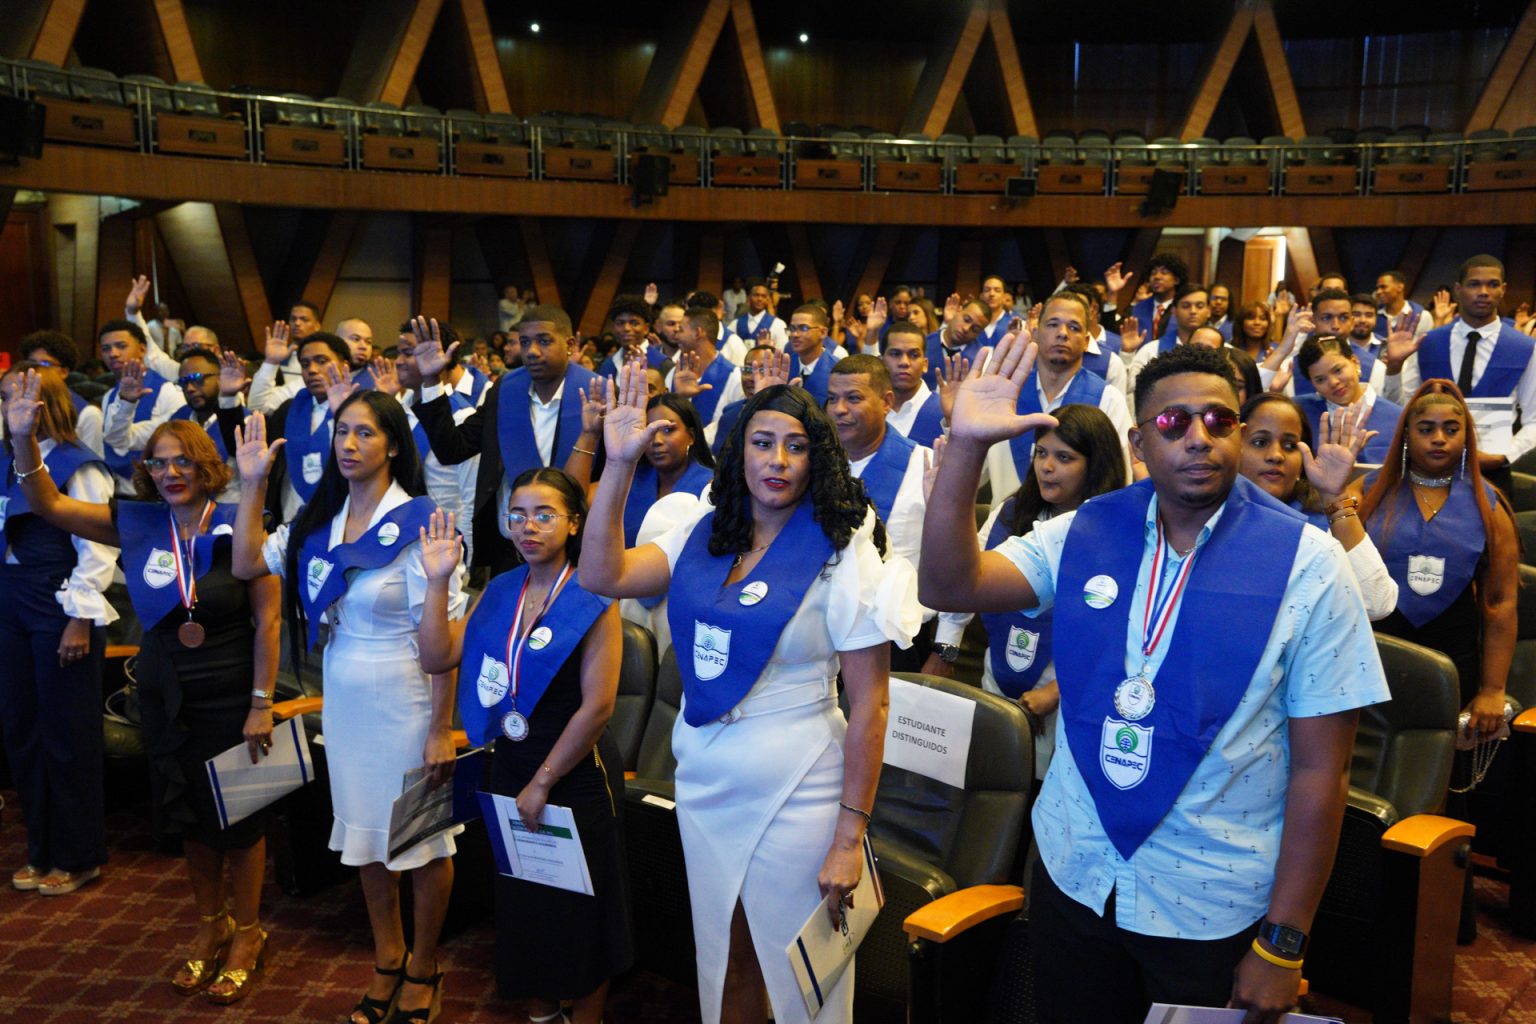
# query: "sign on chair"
[[929, 732]]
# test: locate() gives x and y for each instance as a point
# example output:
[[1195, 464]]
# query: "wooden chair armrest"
[[460, 739], [631, 775], [949, 916], [298, 706], [1525, 721], [118, 651], [1423, 834]]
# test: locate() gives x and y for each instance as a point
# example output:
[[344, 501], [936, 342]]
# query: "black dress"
[[552, 943], [194, 702]]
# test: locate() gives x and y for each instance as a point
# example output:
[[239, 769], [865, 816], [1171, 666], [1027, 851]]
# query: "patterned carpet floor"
[[104, 953]]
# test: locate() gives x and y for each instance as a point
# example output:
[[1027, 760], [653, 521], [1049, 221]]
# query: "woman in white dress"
[[774, 786], [352, 558]]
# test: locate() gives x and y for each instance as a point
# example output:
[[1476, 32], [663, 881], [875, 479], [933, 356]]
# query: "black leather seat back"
[[974, 835], [637, 688], [655, 760], [1404, 747]]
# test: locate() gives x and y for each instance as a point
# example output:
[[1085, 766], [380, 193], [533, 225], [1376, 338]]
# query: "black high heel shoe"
[[425, 1014], [375, 1010]]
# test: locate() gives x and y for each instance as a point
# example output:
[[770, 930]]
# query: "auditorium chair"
[[424, 121], [989, 167], [1404, 166], [952, 151], [1525, 523], [663, 914], [688, 143], [1024, 150], [391, 140], [746, 160], [150, 93], [1515, 847], [95, 86], [87, 108], [198, 126], [298, 131], [1522, 492], [842, 166], [1093, 148], [945, 854], [1494, 162], [1373, 134], [1444, 147], [637, 691], [1385, 933], [44, 79]]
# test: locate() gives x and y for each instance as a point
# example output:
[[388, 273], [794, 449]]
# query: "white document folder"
[[241, 788], [1162, 1013], [551, 856], [821, 953]]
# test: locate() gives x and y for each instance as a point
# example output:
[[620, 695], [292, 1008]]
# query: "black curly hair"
[[1181, 359], [838, 497]]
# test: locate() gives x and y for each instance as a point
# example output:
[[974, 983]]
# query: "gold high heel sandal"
[[202, 972], [241, 978]]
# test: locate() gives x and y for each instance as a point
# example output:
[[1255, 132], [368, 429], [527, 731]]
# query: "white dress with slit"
[[757, 798]]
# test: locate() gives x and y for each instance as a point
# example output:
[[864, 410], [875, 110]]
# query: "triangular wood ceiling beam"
[[1507, 73], [1256, 18], [56, 34], [385, 60], [673, 80], [943, 77], [490, 86]]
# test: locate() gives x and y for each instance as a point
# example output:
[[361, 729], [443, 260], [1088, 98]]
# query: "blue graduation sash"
[[458, 401], [1085, 388], [717, 374], [820, 378], [1170, 339], [1301, 385], [148, 562], [1114, 342], [1511, 355], [642, 493], [121, 463], [728, 417], [1433, 561], [1383, 420], [935, 349], [1226, 330], [884, 472], [1384, 323], [655, 359], [325, 568], [211, 426], [734, 629], [740, 329], [61, 462], [1020, 645], [364, 379], [993, 332], [482, 705], [301, 441], [928, 424], [1098, 362], [1145, 312], [1237, 582], [1317, 519], [514, 420]]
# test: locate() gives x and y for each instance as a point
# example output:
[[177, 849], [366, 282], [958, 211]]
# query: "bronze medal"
[[190, 634]]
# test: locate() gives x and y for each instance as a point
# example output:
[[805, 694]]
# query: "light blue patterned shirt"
[[1206, 871]]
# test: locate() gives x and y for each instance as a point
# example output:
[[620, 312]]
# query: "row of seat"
[[188, 118]]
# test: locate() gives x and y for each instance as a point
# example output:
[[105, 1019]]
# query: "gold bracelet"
[[583, 451], [1349, 501], [1341, 516], [1278, 961]]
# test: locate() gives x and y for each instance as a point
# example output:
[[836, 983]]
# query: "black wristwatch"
[[1287, 941], [948, 653]]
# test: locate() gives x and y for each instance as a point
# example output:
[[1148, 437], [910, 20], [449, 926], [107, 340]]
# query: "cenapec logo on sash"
[[1425, 574], [711, 650], [1022, 646], [160, 568], [1125, 753], [491, 686], [315, 576]]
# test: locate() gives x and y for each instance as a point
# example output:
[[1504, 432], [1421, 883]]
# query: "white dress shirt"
[[904, 530], [903, 418], [452, 487], [266, 393], [1117, 376], [778, 336], [124, 435]]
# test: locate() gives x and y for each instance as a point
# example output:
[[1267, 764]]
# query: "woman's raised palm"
[[625, 434], [987, 401], [23, 409], [440, 547], [253, 456]]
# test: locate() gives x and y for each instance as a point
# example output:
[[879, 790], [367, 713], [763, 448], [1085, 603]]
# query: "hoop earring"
[[1463, 462]]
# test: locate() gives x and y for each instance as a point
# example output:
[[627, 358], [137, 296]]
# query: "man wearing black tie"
[[532, 417], [1484, 355]]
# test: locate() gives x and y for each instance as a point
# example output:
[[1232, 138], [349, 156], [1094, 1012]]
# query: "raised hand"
[[1299, 322], [837, 311], [138, 288], [877, 316], [594, 405], [986, 402], [685, 380], [652, 293], [24, 407], [626, 435], [1034, 317], [764, 336], [1115, 278], [232, 375], [931, 465], [1143, 291], [431, 358], [1522, 315], [1070, 275], [1131, 337], [440, 547], [338, 386], [385, 377], [856, 329], [1284, 303], [952, 307], [253, 456], [481, 363], [766, 372], [1341, 436], [951, 371], [1400, 345], [130, 381], [1441, 309], [278, 346]]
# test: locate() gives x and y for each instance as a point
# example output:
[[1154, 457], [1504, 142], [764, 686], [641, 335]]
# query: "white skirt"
[[757, 809], [378, 704]]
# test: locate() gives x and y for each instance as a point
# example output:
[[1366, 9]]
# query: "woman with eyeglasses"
[[544, 655], [52, 639], [770, 594], [206, 667], [352, 560], [1278, 456]]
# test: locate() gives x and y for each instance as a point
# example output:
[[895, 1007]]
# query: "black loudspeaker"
[[1162, 192], [649, 176], [1019, 188], [21, 129]]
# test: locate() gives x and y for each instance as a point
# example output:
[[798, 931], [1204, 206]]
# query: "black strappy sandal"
[[425, 1014], [376, 1010]]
